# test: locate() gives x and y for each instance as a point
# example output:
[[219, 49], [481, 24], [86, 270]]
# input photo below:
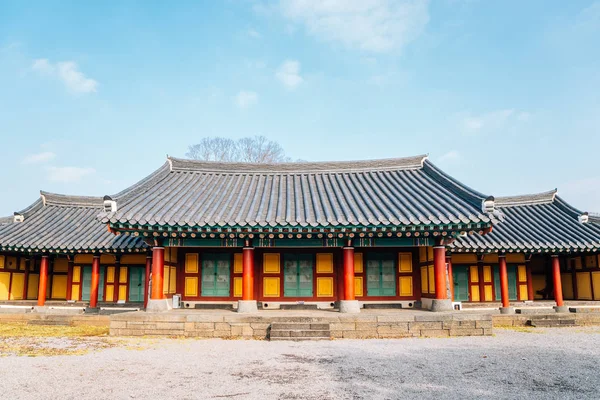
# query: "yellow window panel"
[[596, 283], [429, 253], [4, 285], [238, 263], [422, 254], [110, 292], [76, 274], [474, 273], [431, 278], [122, 274], [324, 263], [110, 275], [32, 286], [584, 286], [75, 293], [122, 293], [358, 263], [191, 286], [60, 265], [487, 274], [271, 286], [406, 286], [237, 286], [191, 263], [325, 287], [488, 293], [166, 279], [271, 263], [173, 280], [358, 286], [522, 273], [567, 285], [2, 261], [59, 287], [475, 293], [523, 292], [405, 262], [18, 283], [424, 285]]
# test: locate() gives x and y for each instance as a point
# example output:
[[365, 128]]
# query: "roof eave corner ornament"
[[425, 158], [488, 205], [584, 218], [170, 161], [110, 206], [18, 218]]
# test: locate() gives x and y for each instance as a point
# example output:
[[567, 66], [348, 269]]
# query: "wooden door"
[[137, 278], [297, 275], [216, 275], [461, 282], [381, 275]]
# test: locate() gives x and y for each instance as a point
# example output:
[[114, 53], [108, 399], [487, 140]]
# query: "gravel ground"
[[535, 364]]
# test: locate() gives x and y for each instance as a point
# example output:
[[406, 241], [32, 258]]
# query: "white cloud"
[[370, 25], [38, 158], [246, 99], [450, 157], [473, 124], [288, 73], [253, 34], [68, 72], [68, 174]]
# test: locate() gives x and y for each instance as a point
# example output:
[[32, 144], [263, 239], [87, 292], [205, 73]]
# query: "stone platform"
[[368, 324]]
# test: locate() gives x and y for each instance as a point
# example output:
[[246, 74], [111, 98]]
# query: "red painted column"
[[503, 280], [248, 273], [43, 281], [158, 267], [558, 295], [530, 294], [95, 282], [147, 279], [450, 277], [348, 253], [439, 270]]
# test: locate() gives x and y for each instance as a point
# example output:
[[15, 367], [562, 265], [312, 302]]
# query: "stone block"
[[466, 332], [260, 325], [200, 334], [389, 329], [483, 324], [170, 325], [434, 317], [222, 326], [260, 333], [395, 318], [435, 332], [336, 334], [488, 331], [247, 331], [204, 325], [222, 333], [424, 325], [342, 326], [365, 326], [204, 318], [118, 324], [236, 330], [364, 334], [397, 335], [467, 324]]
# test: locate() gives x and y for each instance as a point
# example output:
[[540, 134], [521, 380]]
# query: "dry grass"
[[522, 329]]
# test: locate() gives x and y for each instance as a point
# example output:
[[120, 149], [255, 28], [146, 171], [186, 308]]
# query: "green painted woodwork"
[[137, 277], [512, 282], [216, 271], [297, 275], [86, 281], [381, 275], [460, 274]]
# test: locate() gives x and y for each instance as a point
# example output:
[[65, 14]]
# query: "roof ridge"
[[181, 164], [56, 199], [527, 199]]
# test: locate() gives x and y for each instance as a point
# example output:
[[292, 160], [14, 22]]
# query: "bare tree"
[[256, 149]]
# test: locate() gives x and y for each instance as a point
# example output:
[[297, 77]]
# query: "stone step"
[[213, 307], [531, 311], [382, 306], [552, 323], [584, 309], [299, 326], [300, 333], [298, 307], [298, 339]]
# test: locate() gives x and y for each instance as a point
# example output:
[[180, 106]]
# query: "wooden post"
[[481, 282], [349, 273], [95, 282], [69, 278], [530, 294], [248, 273], [450, 276], [117, 279], [158, 267], [503, 280], [558, 295], [439, 269], [43, 281], [147, 278]]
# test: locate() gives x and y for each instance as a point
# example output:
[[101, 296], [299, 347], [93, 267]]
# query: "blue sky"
[[504, 95]]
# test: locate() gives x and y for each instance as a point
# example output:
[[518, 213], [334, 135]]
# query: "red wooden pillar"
[[158, 267], [439, 270], [349, 273], [43, 284], [147, 279], [530, 294], [558, 295], [450, 276], [248, 273], [503, 281], [95, 282], [481, 282], [69, 278]]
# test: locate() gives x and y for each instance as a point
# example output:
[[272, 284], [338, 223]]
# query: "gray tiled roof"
[[64, 224], [535, 223], [388, 192]]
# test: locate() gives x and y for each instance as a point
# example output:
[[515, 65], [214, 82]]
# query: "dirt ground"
[[75, 363]]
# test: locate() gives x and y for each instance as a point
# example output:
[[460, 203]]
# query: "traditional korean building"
[[51, 249], [542, 246], [326, 233]]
